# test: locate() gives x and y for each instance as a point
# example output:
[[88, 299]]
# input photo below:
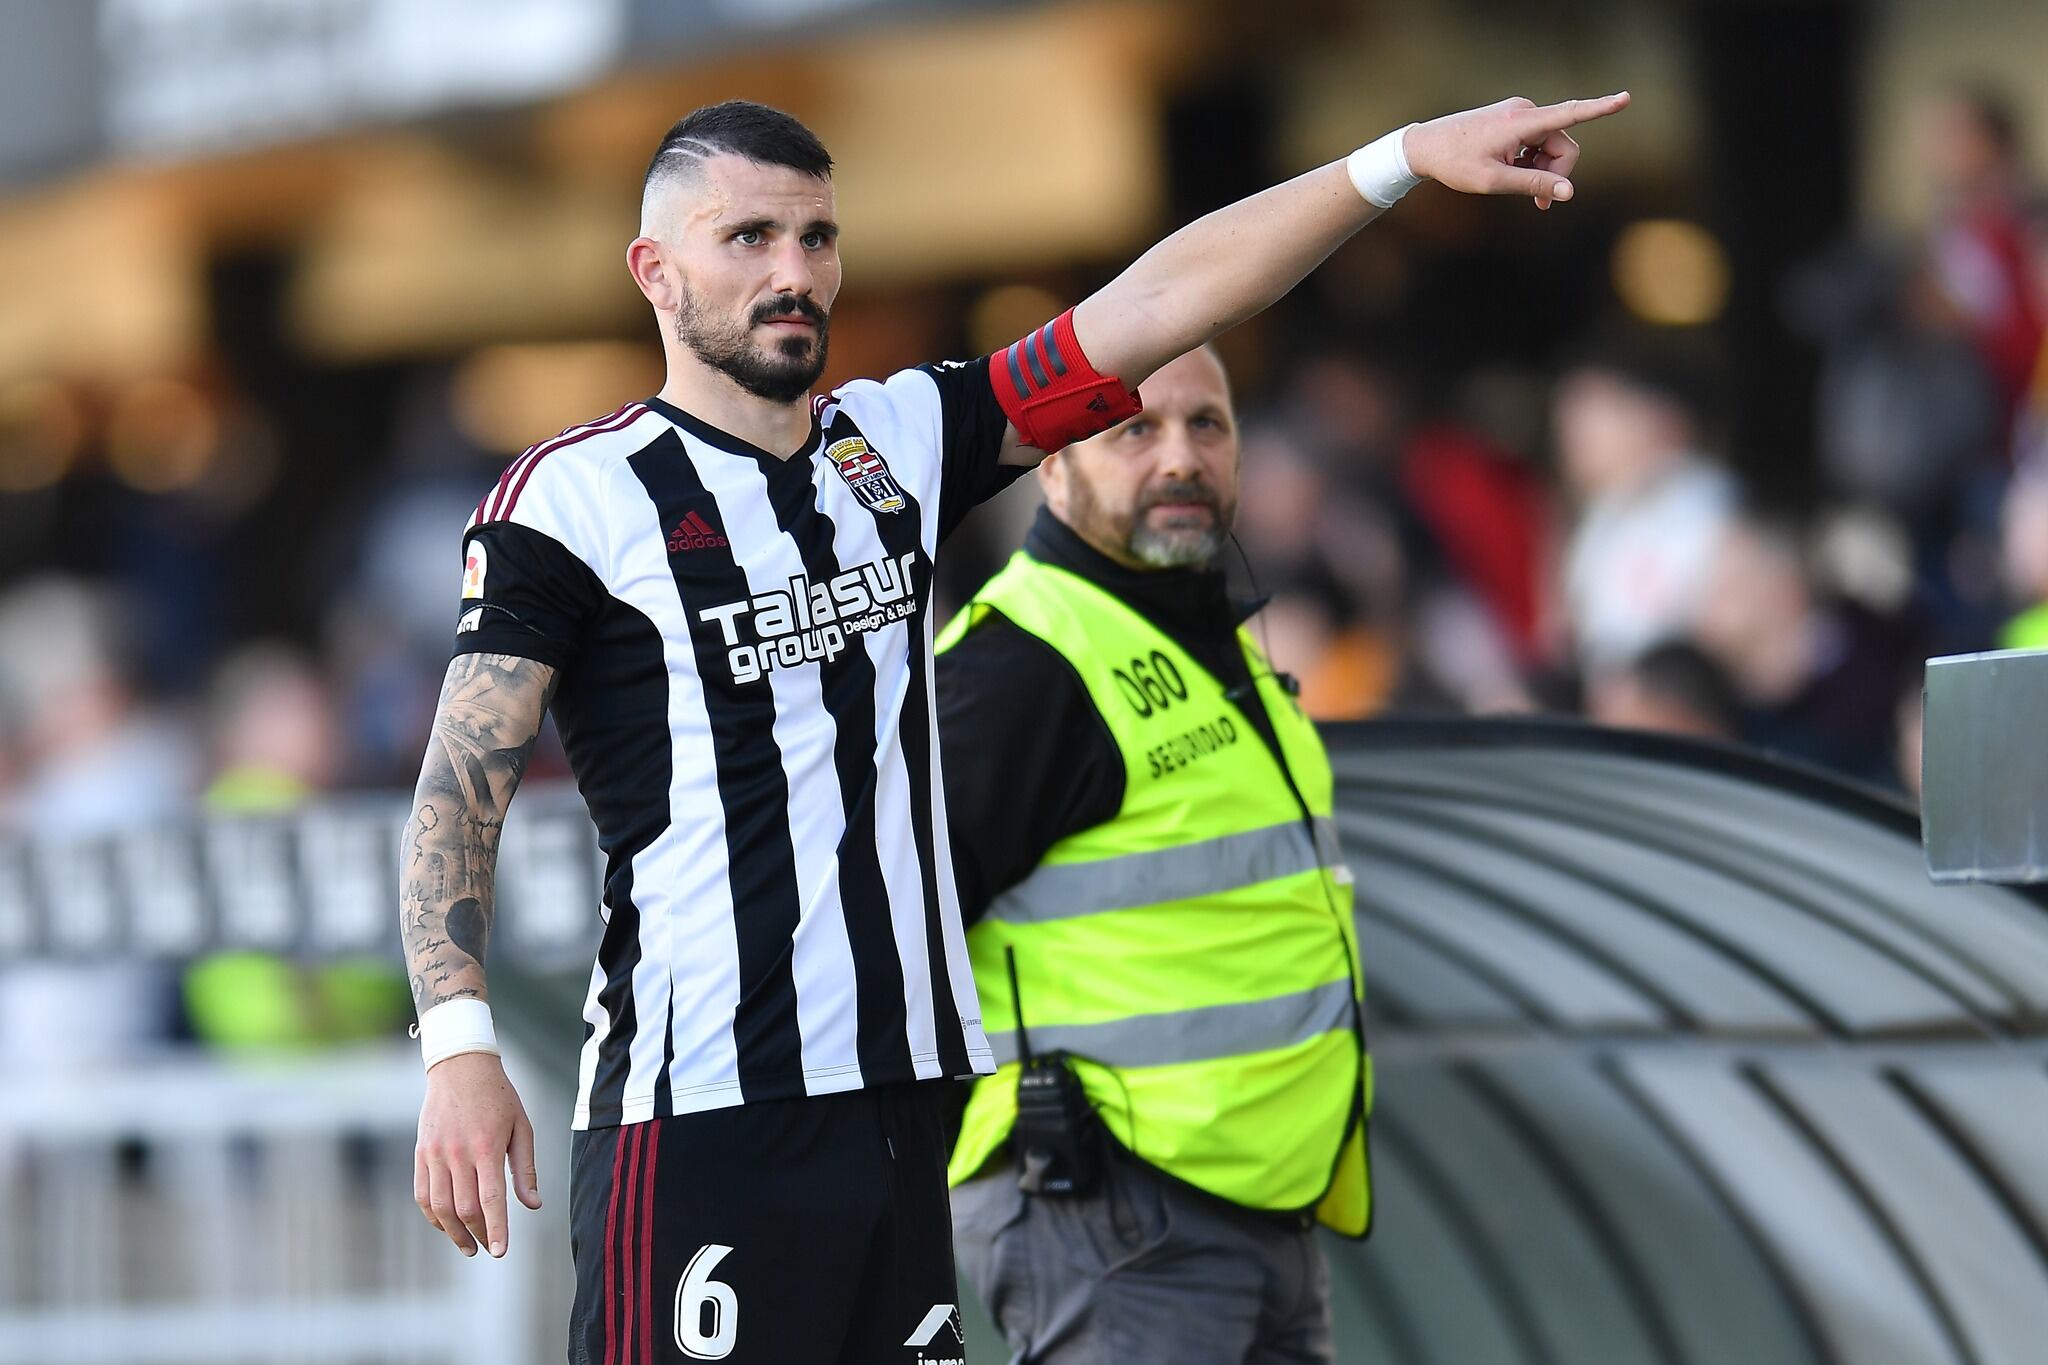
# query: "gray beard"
[[1174, 549]]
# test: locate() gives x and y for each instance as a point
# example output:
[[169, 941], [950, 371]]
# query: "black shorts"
[[792, 1232]]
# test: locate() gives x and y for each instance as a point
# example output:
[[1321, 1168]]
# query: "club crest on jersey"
[[866, 475], [474, 566]]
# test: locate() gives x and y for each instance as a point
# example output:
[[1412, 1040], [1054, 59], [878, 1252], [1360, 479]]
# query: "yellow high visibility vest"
[[1196, 954]]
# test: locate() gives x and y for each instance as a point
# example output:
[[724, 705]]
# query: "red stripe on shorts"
[[647, 1240], [631, 1272], [611, 1220]]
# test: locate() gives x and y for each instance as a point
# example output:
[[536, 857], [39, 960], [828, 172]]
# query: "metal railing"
[[185, 1209]]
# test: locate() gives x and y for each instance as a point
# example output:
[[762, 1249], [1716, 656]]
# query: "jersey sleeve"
[[971, 424], [971, 444], [524, 593], [534, 560]]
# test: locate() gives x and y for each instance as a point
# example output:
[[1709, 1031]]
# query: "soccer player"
[[723, 594]]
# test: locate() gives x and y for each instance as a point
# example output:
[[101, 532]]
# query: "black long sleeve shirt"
[[1028, 759]]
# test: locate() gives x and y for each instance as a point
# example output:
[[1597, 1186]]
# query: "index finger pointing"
[[1551, 118]]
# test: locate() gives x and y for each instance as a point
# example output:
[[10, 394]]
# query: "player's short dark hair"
[[767, 137]]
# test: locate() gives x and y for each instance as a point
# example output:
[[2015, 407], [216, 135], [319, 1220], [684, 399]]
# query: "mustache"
[[1181, 490], [787, 306]]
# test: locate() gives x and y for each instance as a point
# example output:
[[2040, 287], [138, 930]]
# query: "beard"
[[1179, 547], [1159, 547], [781, 375]]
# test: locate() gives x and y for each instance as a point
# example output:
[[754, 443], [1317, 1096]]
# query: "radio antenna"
[[1017, 995]]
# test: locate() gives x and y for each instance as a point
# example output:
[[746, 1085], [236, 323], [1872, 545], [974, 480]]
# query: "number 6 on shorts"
[[697, 1289]]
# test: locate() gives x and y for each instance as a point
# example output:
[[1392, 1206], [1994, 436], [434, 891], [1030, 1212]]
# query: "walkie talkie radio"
[[1057, 1137]]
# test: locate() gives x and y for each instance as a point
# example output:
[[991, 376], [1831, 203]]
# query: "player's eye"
[[750, 237], [813, 240], [1137, 427], [1210, 423]]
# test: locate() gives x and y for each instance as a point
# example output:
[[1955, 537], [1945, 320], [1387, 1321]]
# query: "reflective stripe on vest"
[[1056, 891], [1196, 1035]]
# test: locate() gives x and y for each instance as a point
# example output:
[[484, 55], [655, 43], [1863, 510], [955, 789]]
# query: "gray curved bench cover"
[[1683, 1058]]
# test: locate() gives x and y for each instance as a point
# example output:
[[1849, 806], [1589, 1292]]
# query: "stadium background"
[[283, 283]]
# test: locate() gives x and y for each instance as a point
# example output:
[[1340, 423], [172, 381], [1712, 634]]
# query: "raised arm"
[[1236, 262], [484, 731]]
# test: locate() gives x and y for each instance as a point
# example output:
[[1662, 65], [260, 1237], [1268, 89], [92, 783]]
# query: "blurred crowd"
[[1582, 541], [1574, 540]]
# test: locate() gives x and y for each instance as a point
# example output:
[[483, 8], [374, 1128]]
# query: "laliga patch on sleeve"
[[473, 569]]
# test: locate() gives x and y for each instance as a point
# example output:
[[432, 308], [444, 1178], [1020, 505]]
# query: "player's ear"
[[651, 273]]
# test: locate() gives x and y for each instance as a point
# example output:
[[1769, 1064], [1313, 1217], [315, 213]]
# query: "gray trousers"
[[1144, 1270]]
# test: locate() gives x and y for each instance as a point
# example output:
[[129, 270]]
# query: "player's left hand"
[[1514, 147], [471, 1127]]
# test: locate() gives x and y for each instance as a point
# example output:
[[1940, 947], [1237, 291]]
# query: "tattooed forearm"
[[468, 926], [484, 732]]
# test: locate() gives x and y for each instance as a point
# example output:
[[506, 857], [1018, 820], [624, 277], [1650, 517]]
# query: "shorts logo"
[[474, 566], [866, 475], [940, 1331]]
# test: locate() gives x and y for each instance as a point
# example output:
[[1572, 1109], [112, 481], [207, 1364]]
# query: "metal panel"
[[1984, 777]]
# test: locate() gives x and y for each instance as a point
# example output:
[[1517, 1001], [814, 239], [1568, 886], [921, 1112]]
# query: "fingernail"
[[497, 1248], [469, 1251], [1563, 190]]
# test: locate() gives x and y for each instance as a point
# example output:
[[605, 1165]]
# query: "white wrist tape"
[[1379, 169], [454, 1027]]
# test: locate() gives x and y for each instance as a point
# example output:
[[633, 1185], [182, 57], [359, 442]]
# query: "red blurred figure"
[[1978, 239]]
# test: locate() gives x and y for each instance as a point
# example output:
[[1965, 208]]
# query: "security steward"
[[1161, 926]]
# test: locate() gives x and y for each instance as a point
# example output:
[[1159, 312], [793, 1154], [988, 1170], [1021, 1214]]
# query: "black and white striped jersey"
[[743, 645]]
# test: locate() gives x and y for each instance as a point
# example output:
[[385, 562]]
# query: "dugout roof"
[[1683, 1058]]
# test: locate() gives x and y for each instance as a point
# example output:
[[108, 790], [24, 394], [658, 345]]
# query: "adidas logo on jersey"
[[695, 533]]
